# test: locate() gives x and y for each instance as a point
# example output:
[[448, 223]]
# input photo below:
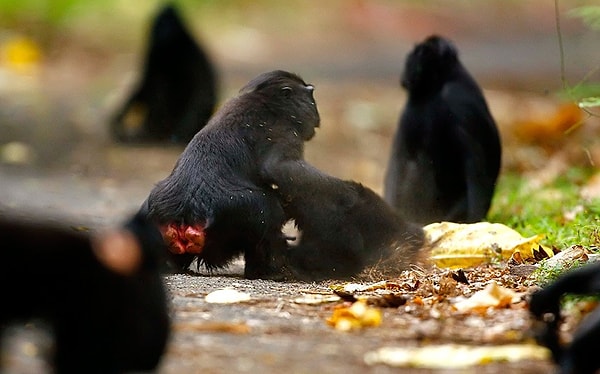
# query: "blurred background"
[[66, 65]]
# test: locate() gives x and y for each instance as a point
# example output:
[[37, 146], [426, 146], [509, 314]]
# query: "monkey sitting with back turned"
[[446, 153], [177, 93]]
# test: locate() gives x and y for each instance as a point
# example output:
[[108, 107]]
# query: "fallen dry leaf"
[[492, 295], [312, 298], [358, 287], [357, 316], [208, 327], [549, 126], [226, 296], [456, 245], [453, 356], [17, 153]]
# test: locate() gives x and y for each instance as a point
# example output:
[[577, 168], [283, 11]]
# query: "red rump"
[[182, 239]]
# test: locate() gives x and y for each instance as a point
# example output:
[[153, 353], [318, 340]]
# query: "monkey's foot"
[[182, 239]]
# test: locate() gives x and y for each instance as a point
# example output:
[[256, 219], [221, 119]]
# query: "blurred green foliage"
[[586, 93], [590, 15]]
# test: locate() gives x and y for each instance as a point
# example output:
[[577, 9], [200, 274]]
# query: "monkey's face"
[[298, 103], [289, 98], [428, 65]]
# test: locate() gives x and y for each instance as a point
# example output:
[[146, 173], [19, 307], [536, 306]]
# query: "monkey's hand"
[[543, 302]]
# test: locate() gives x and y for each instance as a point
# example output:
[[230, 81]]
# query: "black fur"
[[579, 356], [446, 154], [345, 226], [102, 321], [216, 181], [177, 93]]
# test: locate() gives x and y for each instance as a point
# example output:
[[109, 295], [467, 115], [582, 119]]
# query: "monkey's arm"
[[294, 178], [575, 357], [474, 134], [582, 281], [478, 190], [299, 182], [284, 165]]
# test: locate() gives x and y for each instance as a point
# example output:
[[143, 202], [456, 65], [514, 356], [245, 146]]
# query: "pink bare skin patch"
[[182, 239]]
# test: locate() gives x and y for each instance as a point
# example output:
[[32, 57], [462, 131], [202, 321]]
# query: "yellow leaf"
[[21, 54], [357, 316], [454, 356]]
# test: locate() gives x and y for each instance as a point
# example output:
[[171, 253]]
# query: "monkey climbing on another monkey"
[[215, 205], [446, 153], [244, 175]]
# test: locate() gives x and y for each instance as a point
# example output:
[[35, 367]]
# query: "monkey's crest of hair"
[[429, 65], [271, 78]]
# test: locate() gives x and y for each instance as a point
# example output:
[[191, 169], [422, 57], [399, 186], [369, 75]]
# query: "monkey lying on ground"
[[177, 93], [345, 227], [579, 356], [215, 205], [446, 153], [102, 296]]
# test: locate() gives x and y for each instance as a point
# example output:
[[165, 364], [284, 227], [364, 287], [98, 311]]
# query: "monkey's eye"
[[287, 90], [310, 87]]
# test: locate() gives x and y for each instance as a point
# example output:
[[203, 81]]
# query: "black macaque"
[[446, 153], [177, 93], [214, 206], [102, 296], [345, 227], [579, 356]]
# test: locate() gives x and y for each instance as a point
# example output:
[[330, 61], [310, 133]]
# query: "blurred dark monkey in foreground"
[[178, 90], [578, 356], [101, 295], [446, 153]]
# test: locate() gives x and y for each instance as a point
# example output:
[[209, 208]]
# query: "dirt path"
[[78, 176]]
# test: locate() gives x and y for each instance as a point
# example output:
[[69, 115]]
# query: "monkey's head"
[[429, 65], [289, 98], [168, 26]]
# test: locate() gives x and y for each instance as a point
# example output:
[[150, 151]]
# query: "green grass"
[[545, 210], [542, 211]]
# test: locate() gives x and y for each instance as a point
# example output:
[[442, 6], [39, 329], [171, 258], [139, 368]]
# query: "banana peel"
[[461, 245]]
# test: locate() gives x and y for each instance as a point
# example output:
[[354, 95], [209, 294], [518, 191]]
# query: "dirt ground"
[[73, 173]]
